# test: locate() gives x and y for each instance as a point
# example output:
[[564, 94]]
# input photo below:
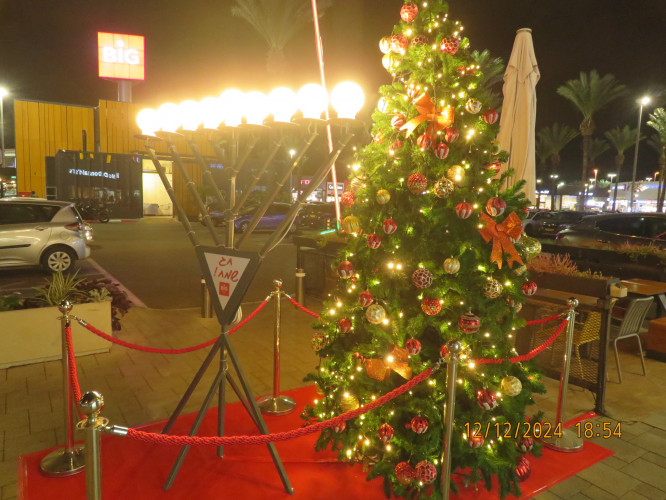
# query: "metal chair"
[[632, 326]]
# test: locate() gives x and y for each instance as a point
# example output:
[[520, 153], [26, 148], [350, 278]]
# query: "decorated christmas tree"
[[434, 252]]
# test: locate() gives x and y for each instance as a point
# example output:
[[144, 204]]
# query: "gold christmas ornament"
[[473, 106], [451, 265], [456, 173], [390, 62], [383, 196], [351, 225], [511, 386], [319, 341], [492, 288], [349, 402], [356, 184], [375, 314], [531, 247], [443, 188], [385, 44], [519, 271], [495, 147]]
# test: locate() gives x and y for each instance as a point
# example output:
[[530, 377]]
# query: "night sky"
[[196, 48]]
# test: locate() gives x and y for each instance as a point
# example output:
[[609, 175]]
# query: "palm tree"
[[596, 148], [277, 21], [658, 122], [621, 139], [589, 94], [556, 138], [543, 153]]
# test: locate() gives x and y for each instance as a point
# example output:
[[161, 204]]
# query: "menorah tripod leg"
[[246, 397]]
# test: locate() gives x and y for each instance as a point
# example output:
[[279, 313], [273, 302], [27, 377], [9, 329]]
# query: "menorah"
[[227, 269]]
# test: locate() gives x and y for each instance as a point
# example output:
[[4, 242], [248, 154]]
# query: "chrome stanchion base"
[[62, 462], [282, 405], [569, 442]]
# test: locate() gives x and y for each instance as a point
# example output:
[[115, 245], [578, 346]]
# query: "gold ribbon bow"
[[396, 361], [502, 234], [441, 117]]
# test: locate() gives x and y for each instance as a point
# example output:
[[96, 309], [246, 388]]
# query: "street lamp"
[[612, 176], [3, 94], [643, 102]]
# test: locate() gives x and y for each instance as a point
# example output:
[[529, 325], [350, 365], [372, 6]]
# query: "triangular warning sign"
[[228, 274]]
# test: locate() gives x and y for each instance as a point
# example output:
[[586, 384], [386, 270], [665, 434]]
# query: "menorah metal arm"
[[193, 191], [248, 190], [319, 176], [205, 172], [172, 195], [262, 209]]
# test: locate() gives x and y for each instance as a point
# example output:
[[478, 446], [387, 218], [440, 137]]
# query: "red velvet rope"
[[73, 375], [172, 351], [541, 321], [529, 355], [302, 308], [151, 437]]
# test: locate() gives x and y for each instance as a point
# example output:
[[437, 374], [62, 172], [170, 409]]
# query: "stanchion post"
[[91, 405], [566, 440], [454, 348], [300, 291], [70, 459], [276, 404]]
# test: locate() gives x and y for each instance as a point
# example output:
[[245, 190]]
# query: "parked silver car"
[[37, 232], [612, 230]]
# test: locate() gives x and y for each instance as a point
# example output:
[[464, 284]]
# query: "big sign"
[[121, 56]]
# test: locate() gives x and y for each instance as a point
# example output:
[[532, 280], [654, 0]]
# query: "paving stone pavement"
[[141, 387]]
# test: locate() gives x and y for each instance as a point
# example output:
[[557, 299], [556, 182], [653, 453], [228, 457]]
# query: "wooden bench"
[[656, 339]]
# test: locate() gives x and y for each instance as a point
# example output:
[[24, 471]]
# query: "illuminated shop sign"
[[88, 173], [121, 56]]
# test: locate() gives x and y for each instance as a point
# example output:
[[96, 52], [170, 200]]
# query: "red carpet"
[[133, 470]]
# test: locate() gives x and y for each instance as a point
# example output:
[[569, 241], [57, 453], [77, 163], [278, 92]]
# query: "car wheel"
[[293, 229], [529, 231], [243, 227], [58, 259], [104, 217]]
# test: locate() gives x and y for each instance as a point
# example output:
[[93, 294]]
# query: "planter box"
[[34, 335], [599, 288]]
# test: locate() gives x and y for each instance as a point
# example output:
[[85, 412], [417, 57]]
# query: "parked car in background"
[[318, 215], [216, 212], [551, 223], [613, 230], [37, 232]]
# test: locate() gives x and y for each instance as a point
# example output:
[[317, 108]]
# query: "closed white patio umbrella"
[[517, 124]]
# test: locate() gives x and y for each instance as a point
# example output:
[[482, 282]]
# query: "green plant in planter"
[[98, 290], [60, 287], [635, 252], [10, 303], [559, 264]]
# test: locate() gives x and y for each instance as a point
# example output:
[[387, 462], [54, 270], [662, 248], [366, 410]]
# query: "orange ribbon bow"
[[396, 360], [441, 117], [502, 234]]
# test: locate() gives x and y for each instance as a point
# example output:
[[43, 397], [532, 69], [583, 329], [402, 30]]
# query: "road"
[[155, 261]]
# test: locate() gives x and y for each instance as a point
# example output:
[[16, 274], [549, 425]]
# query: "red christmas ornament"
[[443, 351], [413, 92], [359, 356], [451, 135], [469, 323], [422, 278], [408, 12], [340, 427], [430, 306], [398, 121], [378, 138], [420, 40], [486, 399], [385, 433], [475, 440], [424, 141], [490, 116], [345, 269], [529, 288], [395, 145], [390, 226], [347, 199], [495, 207], [464, 210], [418, 424], [365, 298], [413, 347], [405, 473], [417, 183], [426, 472], [450, 45], [526, 444], [345, 325], [441, 151], [523, 469], [399, 44], [495, 166], [374, 240]]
